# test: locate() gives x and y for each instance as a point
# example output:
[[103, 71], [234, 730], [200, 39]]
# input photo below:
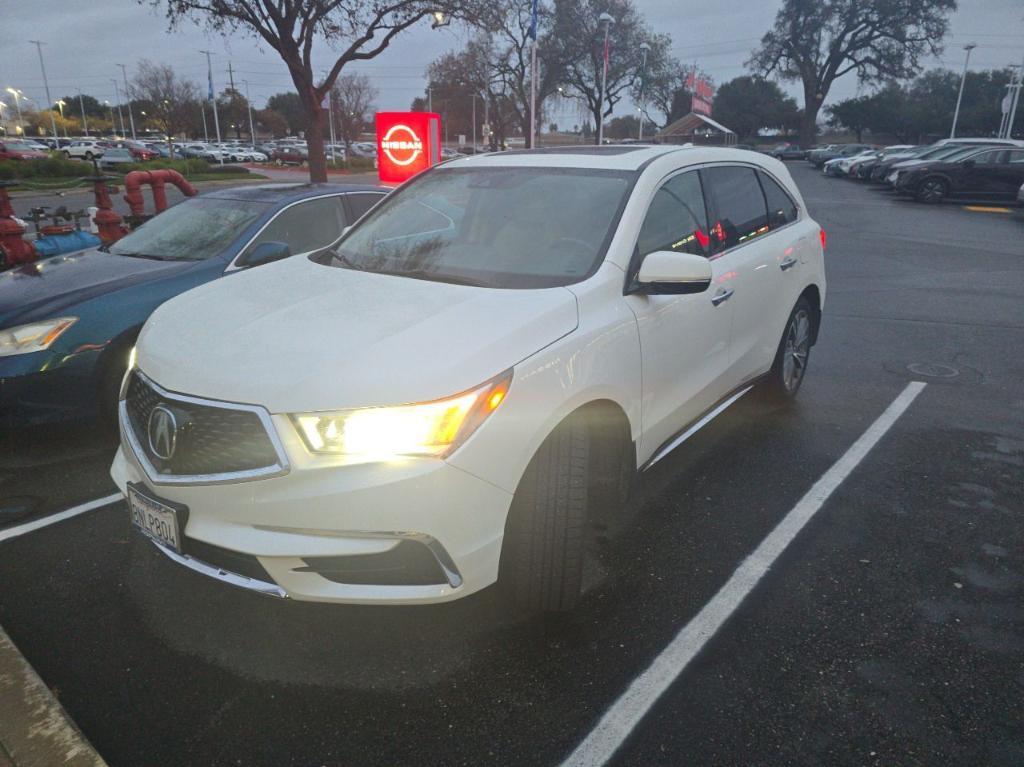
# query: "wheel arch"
[[813, 296]]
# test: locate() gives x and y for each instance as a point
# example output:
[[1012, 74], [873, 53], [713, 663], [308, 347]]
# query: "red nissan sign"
[[407, 143]]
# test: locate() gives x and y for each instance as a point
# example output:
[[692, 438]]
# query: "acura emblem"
[[163, 433]]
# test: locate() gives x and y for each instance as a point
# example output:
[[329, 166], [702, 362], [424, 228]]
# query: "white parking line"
[[60, 516], [625, 714]]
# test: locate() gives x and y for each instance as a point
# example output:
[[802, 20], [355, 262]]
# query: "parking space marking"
[[60, 516], [626, 713], [985, 209]]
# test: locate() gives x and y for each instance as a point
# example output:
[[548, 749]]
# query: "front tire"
[[790, 365], [542, 555]]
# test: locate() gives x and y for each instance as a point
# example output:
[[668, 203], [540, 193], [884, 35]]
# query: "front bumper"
[[346, 513], [42, 388]]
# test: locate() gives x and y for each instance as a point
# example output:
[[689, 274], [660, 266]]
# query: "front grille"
[[208, 439]]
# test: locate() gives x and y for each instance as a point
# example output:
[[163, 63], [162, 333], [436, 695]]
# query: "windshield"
[[192, 230], [502, 227]]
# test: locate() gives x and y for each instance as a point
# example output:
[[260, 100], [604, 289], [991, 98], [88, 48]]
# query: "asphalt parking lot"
[[890, 631]]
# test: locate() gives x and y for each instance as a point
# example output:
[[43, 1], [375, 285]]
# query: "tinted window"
[[781, 208], [676, 219], [739, 207], [1016, 156], [502, 227], [360, 202], [305, 227], [995, 157]]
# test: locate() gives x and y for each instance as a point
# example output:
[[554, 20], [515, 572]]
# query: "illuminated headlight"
[[426, 429], [33, 337]]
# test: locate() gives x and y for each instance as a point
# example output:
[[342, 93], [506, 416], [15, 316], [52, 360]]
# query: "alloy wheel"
[[932, 190], [798, 346]]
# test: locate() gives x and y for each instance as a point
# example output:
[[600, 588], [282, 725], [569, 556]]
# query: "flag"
[[209, 79], [533, 21]]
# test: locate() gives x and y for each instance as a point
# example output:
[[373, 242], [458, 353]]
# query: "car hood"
[[298, 336], [52, 285], [903, 165]]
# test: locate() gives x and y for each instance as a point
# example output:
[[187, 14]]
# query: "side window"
[[740, 212], [677, 219], [997, 157], [306, 226], [1016, 157], [781, 208], [360, 202]]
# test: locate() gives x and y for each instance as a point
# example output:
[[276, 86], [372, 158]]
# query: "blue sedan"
[[68, 323]]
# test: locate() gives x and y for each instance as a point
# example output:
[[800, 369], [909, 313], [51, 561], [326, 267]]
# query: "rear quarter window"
[[781, 208]]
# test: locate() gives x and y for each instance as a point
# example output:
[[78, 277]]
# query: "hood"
[[49, 286], [296, 336], [903, 165]]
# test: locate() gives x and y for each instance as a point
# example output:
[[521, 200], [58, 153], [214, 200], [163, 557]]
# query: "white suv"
[[84, 150], [441, 397]]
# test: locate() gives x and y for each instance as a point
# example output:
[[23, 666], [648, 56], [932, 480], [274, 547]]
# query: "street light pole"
[[213, 103], [606, 20], [60, 105], [17, 108], [81, 105], [474, 122], [1015, 101], [252, 128], [956, 114], [131, 117], [46, 85], [3, 124], [120, 114], [643, 87]]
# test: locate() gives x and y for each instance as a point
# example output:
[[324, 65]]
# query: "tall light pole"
[[120, 114], [81, 105], [3, 124], [60, 105], [127, 95], [213, 102], [248, 103], [606, 20], [1016, 100], [113, 125], [53, 121], [17, 108], [956, 114], [645, 48]]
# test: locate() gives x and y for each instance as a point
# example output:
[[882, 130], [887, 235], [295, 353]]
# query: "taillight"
[[821, 234]]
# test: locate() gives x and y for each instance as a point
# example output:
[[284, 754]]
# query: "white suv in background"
[[440, 398], [84, 150]]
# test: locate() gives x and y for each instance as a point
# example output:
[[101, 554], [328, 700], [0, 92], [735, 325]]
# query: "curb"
[[35, 731]]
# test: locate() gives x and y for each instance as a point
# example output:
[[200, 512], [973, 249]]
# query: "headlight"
[[33, 337], [427, 429]]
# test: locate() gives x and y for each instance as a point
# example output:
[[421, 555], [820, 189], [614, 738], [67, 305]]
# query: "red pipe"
[[155, 178]]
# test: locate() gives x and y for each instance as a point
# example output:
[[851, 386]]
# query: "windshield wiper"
[[150, 256], [347, 262], [423, 274]]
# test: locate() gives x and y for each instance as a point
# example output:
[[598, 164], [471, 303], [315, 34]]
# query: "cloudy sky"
[[86, 40]]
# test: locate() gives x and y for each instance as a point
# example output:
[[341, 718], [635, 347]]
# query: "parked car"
[[17, 149], [944, 152], [862, 170], [993, 174], [840, 166], [1020, 202], [819, 157], [84, 150], [364, 149], [116, 156], [164, 151], [485, 357], [67, 323], [787, 151], [290, 155], [139, 151], [54, 143], [198, 151]]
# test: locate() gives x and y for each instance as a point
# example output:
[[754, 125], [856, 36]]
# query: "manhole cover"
[[932, 370]]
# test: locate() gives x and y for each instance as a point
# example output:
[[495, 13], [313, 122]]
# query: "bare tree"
[[172, 99], [360, 29], [818, 41], [625, 56], [353, 103]]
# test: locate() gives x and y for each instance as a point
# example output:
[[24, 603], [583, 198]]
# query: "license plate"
[[154, 519]]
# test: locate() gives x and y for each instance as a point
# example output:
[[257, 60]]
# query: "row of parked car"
[[969, 169], [979, 169]]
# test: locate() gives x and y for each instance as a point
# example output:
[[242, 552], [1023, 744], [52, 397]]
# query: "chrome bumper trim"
[[226, 576]]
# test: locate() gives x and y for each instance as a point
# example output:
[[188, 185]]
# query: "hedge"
[[52, 167]]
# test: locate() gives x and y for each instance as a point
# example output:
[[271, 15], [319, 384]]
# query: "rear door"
[[977, 176], [761, 252]]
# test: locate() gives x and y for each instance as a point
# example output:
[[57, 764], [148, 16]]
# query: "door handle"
[[722, 295], [787, 263]]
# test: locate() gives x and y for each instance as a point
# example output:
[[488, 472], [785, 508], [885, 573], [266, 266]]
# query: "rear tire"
[[542, 556], [790, 365], [932, 190]]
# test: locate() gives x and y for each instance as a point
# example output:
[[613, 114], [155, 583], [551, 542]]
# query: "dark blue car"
[[68, 323]]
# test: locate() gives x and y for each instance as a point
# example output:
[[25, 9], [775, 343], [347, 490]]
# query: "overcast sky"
[[86, 40]]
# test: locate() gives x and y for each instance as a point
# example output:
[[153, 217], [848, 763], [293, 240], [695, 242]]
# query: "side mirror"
[[264, 253], [668, 272]]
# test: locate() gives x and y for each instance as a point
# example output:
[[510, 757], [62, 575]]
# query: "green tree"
[[819, 41], [747, 104], [289, 106], [854, 114], [622, 127], [233, 111]]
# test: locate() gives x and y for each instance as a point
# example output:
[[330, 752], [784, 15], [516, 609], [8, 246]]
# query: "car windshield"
[[192, 230], [502, 227]]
